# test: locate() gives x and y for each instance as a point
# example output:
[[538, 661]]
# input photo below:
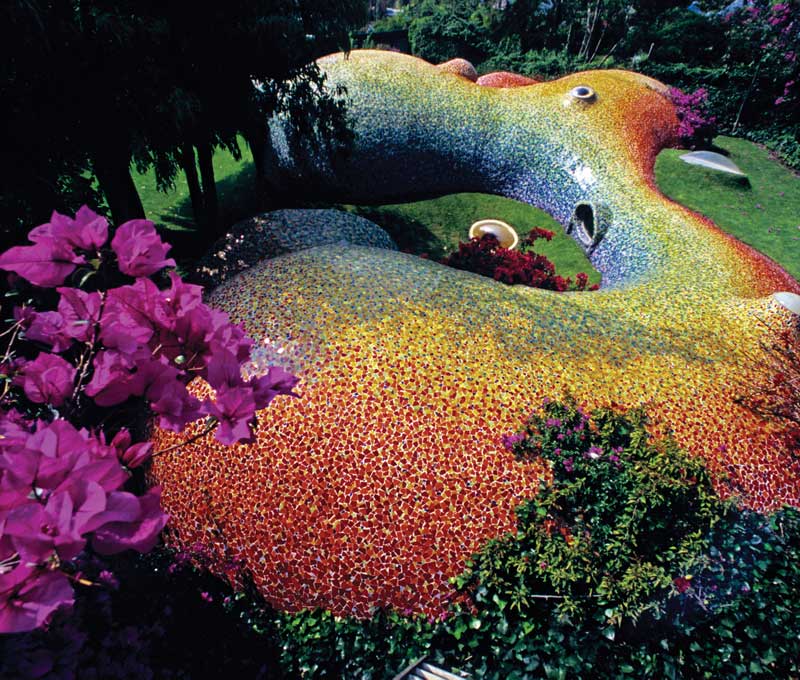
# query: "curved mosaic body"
[[376, 485], [284, 231]]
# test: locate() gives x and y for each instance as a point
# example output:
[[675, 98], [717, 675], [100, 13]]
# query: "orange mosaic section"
[[357, 495]]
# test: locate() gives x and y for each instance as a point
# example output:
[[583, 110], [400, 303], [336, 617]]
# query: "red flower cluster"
[[485, 256]]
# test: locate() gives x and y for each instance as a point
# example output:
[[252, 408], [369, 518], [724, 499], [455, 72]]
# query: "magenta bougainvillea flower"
[[44, 264], [28, 596], [139, 249], [276, 381], [125, 346], [234, 408], [131, 455], [39, 532], [87, 231], [130, 523], [46, 328], [80, 312], [60, 488], [48, 379], [136, 455], [52, 258], [173, 404]]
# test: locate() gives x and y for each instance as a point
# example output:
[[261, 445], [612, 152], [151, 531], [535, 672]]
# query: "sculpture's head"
[[622, 115], [375, 486], [581, 148]]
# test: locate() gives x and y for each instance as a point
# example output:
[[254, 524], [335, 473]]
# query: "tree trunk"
[[257, 140], [189, 165], [204, 156], [112, 168], [747, 94]]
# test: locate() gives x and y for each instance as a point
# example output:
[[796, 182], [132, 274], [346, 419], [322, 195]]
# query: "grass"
[[235, 188], [437, 226], [762, 210]]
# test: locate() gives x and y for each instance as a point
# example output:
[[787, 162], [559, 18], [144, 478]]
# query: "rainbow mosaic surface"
[[374, 487]]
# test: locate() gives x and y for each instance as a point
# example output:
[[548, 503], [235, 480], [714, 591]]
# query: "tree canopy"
[[90, 86]]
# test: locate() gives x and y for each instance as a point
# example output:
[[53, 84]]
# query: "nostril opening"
[[588, 224], [584, 216]]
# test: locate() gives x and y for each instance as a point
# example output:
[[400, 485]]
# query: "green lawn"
[[437, 226], [235, 186], [762, 210]]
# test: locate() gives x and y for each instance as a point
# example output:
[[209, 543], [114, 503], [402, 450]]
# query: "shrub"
[[697, 126], [539, 64], [486, 257], [94, 348]]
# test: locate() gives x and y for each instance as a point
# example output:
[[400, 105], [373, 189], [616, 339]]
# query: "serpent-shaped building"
[[375, 486]]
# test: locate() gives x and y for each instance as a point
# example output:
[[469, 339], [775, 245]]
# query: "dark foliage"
[[92, 86]]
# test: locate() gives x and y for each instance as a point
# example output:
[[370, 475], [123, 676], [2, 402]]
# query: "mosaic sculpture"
[[284, 231], [375, 487]]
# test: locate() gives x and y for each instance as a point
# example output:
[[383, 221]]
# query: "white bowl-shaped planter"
[[503, 232]]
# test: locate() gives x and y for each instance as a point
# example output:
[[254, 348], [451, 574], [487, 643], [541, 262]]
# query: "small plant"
[[485, 256], [624, 517]]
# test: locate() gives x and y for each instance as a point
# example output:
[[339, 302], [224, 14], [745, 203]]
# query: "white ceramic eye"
[[583, 92]]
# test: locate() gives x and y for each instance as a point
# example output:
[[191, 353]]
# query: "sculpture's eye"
[[583, 92]]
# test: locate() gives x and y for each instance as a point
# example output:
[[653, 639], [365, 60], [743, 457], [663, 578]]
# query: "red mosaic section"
[[351, 502], [505, 79]]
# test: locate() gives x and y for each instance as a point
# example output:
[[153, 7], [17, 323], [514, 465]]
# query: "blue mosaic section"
[[285, 231]]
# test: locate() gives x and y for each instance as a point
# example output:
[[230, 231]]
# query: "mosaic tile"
[[284, 231]]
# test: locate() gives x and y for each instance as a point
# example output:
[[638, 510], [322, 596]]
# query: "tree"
[[96, 84]]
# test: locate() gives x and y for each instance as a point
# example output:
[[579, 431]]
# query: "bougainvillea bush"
[[101, 335], [485, 256], [698, 126], [626, 564]]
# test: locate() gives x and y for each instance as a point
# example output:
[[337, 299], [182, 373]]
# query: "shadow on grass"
[[409, 234], [238, 199]]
